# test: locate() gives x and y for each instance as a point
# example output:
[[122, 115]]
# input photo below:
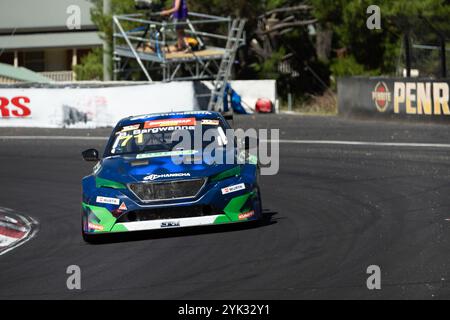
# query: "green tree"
[[91, 68]]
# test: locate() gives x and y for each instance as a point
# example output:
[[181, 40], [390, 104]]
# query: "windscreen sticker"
[[169, 123], [188, 113], [155, 130], [125, 139], [208, 122], [166, 154], [130, 128]]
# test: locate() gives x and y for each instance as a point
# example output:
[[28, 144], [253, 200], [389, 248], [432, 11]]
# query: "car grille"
[[164, 191]]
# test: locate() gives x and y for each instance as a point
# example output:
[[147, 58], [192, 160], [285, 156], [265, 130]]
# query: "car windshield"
[[156, 135]]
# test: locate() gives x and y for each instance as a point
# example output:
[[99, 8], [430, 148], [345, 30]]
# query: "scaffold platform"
[[146, 44]]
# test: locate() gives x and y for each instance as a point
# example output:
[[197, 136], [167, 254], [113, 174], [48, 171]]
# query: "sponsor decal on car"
[[246, 215], [93, 226], [168, 129], [106, 200], [208, 122], [169, 123], [123, 207], [131, 128], [154, 177], [170, 224], [232, 189], [166, 154], [173, 114]]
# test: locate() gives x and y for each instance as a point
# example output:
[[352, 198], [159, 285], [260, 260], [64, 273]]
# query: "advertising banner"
[[90, 107], [413, 98]]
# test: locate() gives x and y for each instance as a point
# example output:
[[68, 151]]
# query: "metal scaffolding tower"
[[226, 66], [150, 43]]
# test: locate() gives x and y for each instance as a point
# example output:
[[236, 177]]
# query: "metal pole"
[[407, 55], [290, 102], [106, 46], [130, 45], [443, 58]]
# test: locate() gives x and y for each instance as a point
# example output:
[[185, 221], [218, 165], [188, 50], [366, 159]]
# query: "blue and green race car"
[[147, 180]]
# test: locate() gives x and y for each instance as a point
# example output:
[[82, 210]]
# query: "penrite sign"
[[397, 98]]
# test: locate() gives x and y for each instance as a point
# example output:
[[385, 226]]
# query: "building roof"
[[50, 40], [18, 16], [21, 74]]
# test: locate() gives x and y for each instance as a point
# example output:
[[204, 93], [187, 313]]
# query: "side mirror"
[[91, 155]]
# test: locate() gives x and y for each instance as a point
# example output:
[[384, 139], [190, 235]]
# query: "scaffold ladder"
[[226, 65]]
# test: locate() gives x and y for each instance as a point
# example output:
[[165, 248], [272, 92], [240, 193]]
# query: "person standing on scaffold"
[[179, 13]]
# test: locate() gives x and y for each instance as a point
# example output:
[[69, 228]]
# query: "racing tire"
[[88, 238]]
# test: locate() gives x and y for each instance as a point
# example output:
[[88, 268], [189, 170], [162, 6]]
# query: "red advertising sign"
[[15, 107]]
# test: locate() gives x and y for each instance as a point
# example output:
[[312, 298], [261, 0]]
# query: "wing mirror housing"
[[91, 155]]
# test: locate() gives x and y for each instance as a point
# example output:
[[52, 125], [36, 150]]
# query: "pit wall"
[[395, 98]]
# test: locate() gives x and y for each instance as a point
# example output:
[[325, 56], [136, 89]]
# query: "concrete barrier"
[[397, 98], [92, 105]]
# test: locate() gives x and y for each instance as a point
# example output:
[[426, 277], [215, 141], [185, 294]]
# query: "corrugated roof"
[[21, 74]]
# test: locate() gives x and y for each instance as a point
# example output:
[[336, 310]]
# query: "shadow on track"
[[184, 232]]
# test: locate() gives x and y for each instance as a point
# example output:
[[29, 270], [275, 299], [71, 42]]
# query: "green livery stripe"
[[166, 154], [103, 183], [227, 174], [233, 209], [119, 228], [222, 219], [105, 217]]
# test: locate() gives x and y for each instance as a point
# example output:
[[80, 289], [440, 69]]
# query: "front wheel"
[[88, 238], [264, 218]]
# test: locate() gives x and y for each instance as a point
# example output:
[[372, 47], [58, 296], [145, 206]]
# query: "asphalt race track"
[[336, 209]]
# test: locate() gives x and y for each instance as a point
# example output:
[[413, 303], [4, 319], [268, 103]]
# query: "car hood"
[[129, 169]]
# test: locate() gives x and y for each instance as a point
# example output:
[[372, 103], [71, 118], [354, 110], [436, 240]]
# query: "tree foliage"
[[354, 49]]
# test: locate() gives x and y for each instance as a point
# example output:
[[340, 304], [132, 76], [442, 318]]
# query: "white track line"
[[367, 143], [316, 142], [51, 138]]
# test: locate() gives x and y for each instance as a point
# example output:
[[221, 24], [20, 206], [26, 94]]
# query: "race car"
[[147, 180]]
